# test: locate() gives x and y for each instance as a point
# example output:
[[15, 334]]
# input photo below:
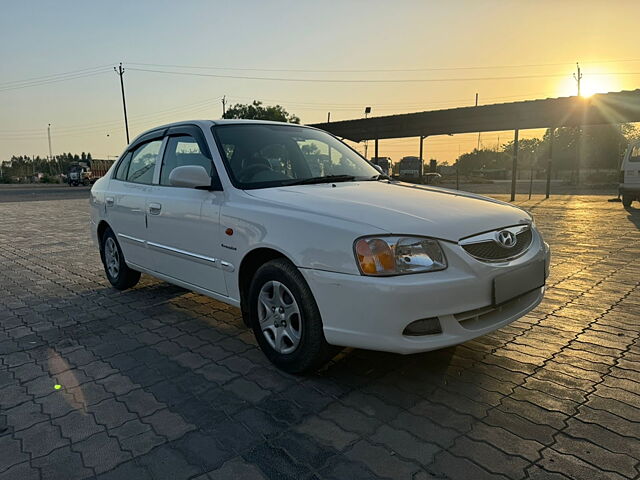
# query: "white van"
[[629, 186]]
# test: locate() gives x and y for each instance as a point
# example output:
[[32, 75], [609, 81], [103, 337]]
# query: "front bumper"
[[372, 312]]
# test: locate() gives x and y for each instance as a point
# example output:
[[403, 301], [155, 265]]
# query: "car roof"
[[205, 124]]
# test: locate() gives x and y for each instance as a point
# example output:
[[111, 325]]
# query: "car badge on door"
[[506, 239]]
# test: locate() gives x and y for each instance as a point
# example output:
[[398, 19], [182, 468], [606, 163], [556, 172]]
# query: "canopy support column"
[[552, 134], [514, 168]]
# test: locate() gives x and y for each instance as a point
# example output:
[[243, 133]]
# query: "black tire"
[[312, 350], [626, 200], [119, 275]]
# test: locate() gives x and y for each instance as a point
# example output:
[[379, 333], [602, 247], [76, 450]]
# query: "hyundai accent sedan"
[[316, 246]]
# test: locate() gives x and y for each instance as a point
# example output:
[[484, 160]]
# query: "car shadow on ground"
[[222, 398], [634, 216]]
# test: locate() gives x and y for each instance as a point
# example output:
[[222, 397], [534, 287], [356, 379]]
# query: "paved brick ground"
[[161, 383]]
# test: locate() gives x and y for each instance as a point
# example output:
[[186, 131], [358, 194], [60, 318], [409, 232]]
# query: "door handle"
[[109, 201], [154, 208]]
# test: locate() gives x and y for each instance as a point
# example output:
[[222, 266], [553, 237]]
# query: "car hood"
[[400, 208]]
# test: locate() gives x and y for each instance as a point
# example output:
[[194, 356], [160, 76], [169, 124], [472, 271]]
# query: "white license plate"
[[517, 282]]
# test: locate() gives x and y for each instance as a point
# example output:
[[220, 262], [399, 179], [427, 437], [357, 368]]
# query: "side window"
[[123, 166], [143, 162], [635, 154], [182, 151]]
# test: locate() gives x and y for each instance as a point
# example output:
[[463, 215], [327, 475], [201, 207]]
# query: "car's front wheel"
[[118, 273], [626, 200], [286, 320]]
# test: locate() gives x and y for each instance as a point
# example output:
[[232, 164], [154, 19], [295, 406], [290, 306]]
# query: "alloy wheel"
[[279, 317], [112, 257]]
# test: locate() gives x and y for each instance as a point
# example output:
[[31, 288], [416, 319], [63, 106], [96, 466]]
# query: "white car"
[[317, 248]]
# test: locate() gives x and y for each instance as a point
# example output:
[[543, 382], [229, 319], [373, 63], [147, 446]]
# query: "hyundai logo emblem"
[[506, 239]]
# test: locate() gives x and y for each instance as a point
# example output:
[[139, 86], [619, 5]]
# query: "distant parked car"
[[315, 261], [629, 186]]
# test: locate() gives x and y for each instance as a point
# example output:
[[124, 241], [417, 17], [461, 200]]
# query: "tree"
[[258, 111], [529, 150], [482, 159]]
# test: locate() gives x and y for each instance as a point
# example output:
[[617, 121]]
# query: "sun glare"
[[597, 84], [590, 84]]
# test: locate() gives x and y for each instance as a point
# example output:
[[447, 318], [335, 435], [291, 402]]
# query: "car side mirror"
[[379, 168], [190, 176]]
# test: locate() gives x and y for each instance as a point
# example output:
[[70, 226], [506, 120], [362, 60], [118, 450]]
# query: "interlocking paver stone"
[[10, 453], [41, 439], [101, 452], [78, 425], [158, 382]]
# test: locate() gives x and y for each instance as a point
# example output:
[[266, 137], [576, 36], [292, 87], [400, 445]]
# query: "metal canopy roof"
[[614, 108]]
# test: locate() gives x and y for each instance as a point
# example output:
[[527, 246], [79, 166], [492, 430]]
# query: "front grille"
[[490, 251]]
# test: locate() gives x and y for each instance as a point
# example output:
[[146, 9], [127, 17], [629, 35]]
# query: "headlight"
[[396, 255]]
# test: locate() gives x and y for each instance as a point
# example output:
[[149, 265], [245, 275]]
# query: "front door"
[[126, 201], [183, 224]]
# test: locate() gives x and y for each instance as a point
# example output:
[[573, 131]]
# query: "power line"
[[89, 129], [335, 80], [199, 105], [370, 70], [45, 77], [203, 105], [53, 80]]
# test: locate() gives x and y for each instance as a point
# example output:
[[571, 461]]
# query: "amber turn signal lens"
[[375, 256]]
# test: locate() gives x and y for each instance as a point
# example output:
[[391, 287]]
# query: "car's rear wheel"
[[286, 320], [118, 273], [626, 200]]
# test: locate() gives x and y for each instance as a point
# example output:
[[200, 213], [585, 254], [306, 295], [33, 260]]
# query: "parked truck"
[[87, 172], [410, 168], [384, 163]]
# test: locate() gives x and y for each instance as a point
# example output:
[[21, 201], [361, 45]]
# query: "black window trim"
[[144, 138], [195, 132], [126, 154]]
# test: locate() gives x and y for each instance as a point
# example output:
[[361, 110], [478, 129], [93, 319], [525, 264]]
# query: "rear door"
[[184, 223], [631, 168], [127, 197]]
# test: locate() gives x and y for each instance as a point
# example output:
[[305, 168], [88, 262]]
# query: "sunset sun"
[[597, 84], [590, 84]]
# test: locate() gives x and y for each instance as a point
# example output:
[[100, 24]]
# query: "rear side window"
[[635, 154], [123, 167], [143, 162], [182, 151]]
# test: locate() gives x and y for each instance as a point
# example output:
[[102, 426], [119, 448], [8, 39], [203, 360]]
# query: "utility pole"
[[49, 137], [328, 117], [224, 105], [367, 111], [120, 72], [578, 77], [478, 147]]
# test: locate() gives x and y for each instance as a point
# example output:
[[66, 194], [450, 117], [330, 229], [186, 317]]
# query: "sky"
[[312, 57]]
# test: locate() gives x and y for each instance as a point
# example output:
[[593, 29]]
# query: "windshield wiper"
[[325, 179]]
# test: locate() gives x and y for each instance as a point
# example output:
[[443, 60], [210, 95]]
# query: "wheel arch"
[[250, 264], [100, 229]]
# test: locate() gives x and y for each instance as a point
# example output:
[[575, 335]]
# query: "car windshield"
[[264, 155]]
